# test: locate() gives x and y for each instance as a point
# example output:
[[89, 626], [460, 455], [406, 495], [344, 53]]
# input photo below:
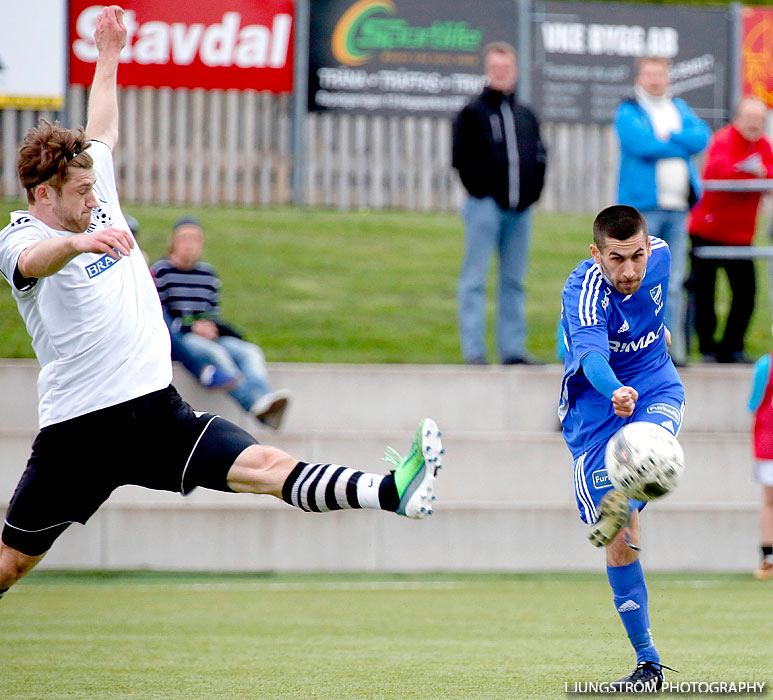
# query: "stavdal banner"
[[234, 44], [399, 57]]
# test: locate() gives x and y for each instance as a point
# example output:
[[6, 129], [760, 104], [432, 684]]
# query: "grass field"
[[314, 285], [144, 636]]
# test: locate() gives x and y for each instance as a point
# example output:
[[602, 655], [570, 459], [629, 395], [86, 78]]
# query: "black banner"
[[401, 57], [585, 57]]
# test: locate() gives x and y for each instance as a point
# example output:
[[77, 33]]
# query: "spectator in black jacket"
[[501, 159]]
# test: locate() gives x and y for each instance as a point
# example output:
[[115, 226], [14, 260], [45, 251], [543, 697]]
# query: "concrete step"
[[488, 467], [456, 539], [505, 496], [377, 397]]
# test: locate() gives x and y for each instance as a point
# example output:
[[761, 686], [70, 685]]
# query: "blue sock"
[[630, 596]]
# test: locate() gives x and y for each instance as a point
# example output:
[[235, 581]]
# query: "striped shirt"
[[188, 294]]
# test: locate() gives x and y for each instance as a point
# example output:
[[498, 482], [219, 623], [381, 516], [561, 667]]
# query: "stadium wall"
[[505, 496]]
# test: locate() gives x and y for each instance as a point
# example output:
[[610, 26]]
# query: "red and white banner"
[[241, 44], [757, 53]]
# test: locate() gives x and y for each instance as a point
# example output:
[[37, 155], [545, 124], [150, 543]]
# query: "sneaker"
[[613, 516], [415, 474], [765, 572], [521, 360], [646, 677], [214, 378], [270, 408]]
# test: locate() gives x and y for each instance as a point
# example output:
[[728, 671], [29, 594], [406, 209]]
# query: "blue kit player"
[[617, 370]]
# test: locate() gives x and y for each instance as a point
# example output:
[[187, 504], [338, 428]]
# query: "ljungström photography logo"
[[669, 688]]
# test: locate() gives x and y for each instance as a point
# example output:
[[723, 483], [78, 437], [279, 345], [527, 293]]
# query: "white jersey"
[[96, 325]]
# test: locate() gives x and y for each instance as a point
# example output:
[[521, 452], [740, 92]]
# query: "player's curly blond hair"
[[47, 153]]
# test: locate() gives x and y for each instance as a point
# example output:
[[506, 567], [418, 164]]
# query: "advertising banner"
[[585, 57], [402, 57], [757, 53], [239, 44], [33, 72]]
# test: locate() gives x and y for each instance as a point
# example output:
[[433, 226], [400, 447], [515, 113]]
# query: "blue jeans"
[[670, 226], [235, 356], [488, 228]]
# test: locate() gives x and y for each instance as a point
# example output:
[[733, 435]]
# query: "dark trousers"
[[740, 276]]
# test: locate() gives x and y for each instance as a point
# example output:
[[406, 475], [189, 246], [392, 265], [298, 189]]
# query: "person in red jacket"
[[761, 405], [739, 150]]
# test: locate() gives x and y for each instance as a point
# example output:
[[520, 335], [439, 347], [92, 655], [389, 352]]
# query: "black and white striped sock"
[[323, 487]]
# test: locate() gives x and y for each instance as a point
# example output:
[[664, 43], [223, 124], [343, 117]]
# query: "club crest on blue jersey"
[[657, 296], [98, 267]]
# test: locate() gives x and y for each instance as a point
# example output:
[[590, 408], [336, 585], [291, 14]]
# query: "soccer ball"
[[644, 461]]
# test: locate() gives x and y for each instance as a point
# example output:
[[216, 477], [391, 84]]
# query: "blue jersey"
[[628, 330]]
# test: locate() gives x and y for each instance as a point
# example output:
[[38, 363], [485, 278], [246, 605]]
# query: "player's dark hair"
[[620, 222], [47, 153]]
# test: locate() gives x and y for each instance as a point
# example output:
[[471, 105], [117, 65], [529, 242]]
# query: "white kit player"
[[617, 370], [108, 414]]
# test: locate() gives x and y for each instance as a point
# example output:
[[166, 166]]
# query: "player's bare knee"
[[14, 565], [261, 469], [619, 553]]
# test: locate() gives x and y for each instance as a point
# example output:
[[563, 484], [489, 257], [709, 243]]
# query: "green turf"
[[313, 285], [146, 636]]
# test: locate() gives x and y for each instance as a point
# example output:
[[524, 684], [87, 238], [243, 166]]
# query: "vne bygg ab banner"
[[393, 57], [585, 57]]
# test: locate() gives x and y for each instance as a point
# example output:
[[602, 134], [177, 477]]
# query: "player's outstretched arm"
[[48, 256], [110, 38]]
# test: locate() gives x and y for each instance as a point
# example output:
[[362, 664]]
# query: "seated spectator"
[[190, 295], [208, 375], [738, 151]]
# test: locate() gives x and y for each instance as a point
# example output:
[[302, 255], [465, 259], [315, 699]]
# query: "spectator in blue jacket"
[[658, 137]]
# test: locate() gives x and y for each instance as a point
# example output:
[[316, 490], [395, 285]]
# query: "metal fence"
[[230, 147]]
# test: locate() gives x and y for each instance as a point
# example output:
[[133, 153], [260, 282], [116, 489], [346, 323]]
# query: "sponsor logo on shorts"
[[98, 267], [666, 410], [600, 479], [668, 425]]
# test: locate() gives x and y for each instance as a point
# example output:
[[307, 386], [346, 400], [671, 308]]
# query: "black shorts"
[[157, 441]]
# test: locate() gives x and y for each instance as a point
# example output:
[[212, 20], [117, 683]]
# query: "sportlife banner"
[[33, 71], [585, 57], [234, 44], [402, 57], [757, 53]]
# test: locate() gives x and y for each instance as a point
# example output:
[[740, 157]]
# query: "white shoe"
[[270, 408]]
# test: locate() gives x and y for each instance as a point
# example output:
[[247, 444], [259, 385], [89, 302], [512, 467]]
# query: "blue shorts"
[[590, 475]]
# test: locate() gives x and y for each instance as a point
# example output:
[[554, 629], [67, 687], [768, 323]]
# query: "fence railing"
[[230, 147]]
